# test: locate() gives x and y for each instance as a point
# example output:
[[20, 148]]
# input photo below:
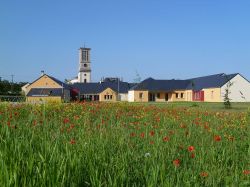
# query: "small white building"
[[239, 91]]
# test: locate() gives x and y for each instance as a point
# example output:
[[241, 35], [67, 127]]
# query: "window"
[[182, 95], [85, 65], [158, 95], [108, 97], [85, 74], [212, 94], [85, 80], [140, 95], [176, 95]]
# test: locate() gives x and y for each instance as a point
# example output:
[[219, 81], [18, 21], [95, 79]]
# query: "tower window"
[[85, 65], [85, 80], [85, 74]]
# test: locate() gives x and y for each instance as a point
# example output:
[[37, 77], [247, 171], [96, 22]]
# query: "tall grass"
[[96, 144]]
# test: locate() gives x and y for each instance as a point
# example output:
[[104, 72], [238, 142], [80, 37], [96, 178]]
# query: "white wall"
[[131, 96], [240, 85], [123, 97]]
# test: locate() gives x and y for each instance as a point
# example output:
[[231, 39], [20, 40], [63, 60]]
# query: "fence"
[[8, 98]]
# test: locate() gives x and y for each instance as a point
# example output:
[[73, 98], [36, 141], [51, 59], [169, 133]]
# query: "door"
[[166, 96], [151, 97]]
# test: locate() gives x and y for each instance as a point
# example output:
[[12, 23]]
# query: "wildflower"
[[203, 174], [246, 172], [72, 141], [152, 142], [176, 162], [166, 139], [66, 120], [192, 155], [183, 126], [147, 155], [132, 134], [191, 148], [152, 133], [217, 138], [142, 135]]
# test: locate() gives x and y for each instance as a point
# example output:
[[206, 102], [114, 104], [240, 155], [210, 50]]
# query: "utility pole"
[[12, 77], [0, 79]]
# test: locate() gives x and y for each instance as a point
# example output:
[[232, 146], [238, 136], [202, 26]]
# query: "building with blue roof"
[[210, 88]]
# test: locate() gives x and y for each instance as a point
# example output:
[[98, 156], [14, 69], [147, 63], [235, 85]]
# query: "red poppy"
[[191, 148], [142, 135], [132, 134], [166, 139], [246, 172], [72, 141], [217, 138], [203, 174], [152, 133], [66, 120], [177, 162], [192, 155], [152, 142]]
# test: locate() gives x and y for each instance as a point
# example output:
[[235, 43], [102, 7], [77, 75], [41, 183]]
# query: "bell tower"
[[84, 75]]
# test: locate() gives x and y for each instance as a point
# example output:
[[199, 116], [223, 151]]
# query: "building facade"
[[48, 89]]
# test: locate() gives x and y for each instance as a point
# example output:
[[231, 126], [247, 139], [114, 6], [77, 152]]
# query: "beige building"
[[204, 89], [47, 89]]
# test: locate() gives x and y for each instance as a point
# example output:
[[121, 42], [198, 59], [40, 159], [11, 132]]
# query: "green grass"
[[122, 144], [219, 107]]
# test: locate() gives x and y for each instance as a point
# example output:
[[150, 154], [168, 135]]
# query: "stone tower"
[[84, 74]]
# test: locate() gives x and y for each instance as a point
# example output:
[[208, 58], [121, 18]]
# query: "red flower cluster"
[[203, 174], [166, 139], [152, 133], [246, 172], [191, 148], [217, 138], [72, 141], [177, 163], [66, 120]]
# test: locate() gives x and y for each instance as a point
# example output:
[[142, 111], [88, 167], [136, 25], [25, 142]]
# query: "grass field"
[[121, 144]]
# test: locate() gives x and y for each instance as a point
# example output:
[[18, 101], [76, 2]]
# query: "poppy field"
[[121, 144]]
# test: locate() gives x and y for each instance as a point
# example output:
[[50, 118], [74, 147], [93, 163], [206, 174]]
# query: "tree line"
[[9, 88]]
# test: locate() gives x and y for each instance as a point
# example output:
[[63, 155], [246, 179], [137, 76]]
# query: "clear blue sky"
[[163, 39]]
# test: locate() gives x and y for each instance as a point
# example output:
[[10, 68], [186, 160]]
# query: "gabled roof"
[[162, 85], [96, 88], [45, 92], [59, 82], [211, 81], [64, 85]]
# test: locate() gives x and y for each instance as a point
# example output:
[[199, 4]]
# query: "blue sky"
[[163, 39]]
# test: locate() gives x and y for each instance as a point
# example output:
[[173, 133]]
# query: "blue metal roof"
[[38, 92], [162, 85], [96, 88], [211, 81]]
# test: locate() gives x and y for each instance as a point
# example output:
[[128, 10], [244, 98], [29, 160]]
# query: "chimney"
[[42, 72]]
